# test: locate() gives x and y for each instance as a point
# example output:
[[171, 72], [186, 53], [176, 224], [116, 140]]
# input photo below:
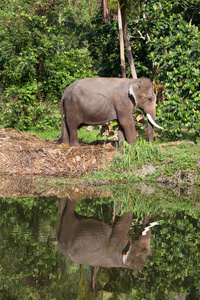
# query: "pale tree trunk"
[[105, 11], [121, 41], [128, 49]]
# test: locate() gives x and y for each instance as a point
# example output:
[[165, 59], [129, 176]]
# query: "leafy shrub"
[[25, 111], [36, 64], [104, 48], [138, 155], [177, 58]]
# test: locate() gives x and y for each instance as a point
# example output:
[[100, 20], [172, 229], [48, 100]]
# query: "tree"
[[121, 42], [105, 11], [37, 60], [128, 49], [122, 6]]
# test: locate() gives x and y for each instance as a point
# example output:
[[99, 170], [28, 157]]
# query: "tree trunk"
[[128, 49], [105, 11], [121, 41]]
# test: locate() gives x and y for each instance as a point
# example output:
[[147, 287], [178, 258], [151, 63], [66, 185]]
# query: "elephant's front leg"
[[121, 137], [127, 128]]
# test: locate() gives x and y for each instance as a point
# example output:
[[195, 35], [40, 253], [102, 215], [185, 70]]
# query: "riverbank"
[[28, 160]]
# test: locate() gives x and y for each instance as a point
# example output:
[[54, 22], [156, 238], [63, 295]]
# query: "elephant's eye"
[[144, 250], [149, 98]]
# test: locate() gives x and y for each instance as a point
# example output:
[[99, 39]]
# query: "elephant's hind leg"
[[64, 137], [73, 133], [73, 137]]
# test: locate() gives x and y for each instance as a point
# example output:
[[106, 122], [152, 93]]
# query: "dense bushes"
[[176, 57], [36, 64]]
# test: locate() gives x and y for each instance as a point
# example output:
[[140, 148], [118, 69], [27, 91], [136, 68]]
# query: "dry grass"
[[26, 154]]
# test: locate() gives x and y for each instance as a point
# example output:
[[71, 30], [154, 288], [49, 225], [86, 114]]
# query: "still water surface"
[[122, 243]]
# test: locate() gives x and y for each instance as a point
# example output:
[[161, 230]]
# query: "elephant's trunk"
[[150, 126], [151, 123]]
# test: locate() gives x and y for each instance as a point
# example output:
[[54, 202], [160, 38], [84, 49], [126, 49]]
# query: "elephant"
[[95, 101], [93, 242]]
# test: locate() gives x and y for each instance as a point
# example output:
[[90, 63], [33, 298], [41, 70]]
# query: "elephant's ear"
[[134, 89]]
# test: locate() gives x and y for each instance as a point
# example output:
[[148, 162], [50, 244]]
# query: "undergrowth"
[[138, 155], [150, 162]]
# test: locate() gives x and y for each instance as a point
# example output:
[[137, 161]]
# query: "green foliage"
[[36, 62], [174, 60], [90, 136], [104, 48], [47, 133], [178, 61], [26, 111], [138, 155]]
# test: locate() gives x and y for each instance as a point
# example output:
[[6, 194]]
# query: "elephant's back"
[[97, 89]]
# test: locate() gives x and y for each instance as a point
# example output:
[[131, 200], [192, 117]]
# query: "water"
[[117, 242]]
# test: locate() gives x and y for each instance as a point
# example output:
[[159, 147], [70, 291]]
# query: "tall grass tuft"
[[137, 155], [145, 152]]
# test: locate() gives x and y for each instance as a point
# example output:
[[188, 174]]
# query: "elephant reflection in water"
[[92, 242]]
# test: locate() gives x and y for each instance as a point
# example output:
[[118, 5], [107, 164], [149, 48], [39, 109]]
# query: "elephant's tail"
[[60, 138], [62, 118], [64, 137]]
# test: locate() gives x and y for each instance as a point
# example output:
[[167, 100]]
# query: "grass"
[[49, 134], [90, 136], [83, 133], [180, 163], [129, 160], [141, 153], [184, 157]]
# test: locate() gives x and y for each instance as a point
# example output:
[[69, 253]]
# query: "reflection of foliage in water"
[[32, 267], [98, 208], [141, 199], [28, 257], [177, 258]]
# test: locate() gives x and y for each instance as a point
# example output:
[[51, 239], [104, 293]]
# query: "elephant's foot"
[[121, 144], [74, 144], [59, 139], [63, 140]]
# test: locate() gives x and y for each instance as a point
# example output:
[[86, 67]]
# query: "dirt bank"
[[26, 160], [26, 154]]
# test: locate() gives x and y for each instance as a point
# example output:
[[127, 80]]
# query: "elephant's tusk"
[[125, 256], [149, 117], [146, 229]]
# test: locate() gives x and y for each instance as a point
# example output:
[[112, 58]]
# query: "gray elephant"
[[95, 101], [93, 242]]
